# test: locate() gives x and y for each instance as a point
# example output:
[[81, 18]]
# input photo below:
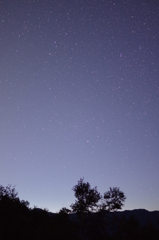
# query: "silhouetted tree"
[[9, 195], [87, 197], [8, 192], [113, 200]]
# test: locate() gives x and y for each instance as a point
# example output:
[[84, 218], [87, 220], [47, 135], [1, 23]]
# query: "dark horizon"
[[18, 221]]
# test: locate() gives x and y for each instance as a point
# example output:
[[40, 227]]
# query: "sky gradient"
[[79, 97]]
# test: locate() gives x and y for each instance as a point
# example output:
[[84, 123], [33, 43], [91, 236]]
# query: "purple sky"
[[79, 97]]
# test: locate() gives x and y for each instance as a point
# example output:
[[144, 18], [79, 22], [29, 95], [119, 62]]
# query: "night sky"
[[79, 97]]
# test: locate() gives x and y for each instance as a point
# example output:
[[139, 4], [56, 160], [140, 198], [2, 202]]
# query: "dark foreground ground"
[[17, 221]]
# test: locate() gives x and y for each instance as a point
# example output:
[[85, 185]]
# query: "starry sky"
[[79, 97]]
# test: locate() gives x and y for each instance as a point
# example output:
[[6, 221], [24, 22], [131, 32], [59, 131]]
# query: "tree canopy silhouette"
[[87, 197], [113, 200], [8, 192], [9, 195]]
